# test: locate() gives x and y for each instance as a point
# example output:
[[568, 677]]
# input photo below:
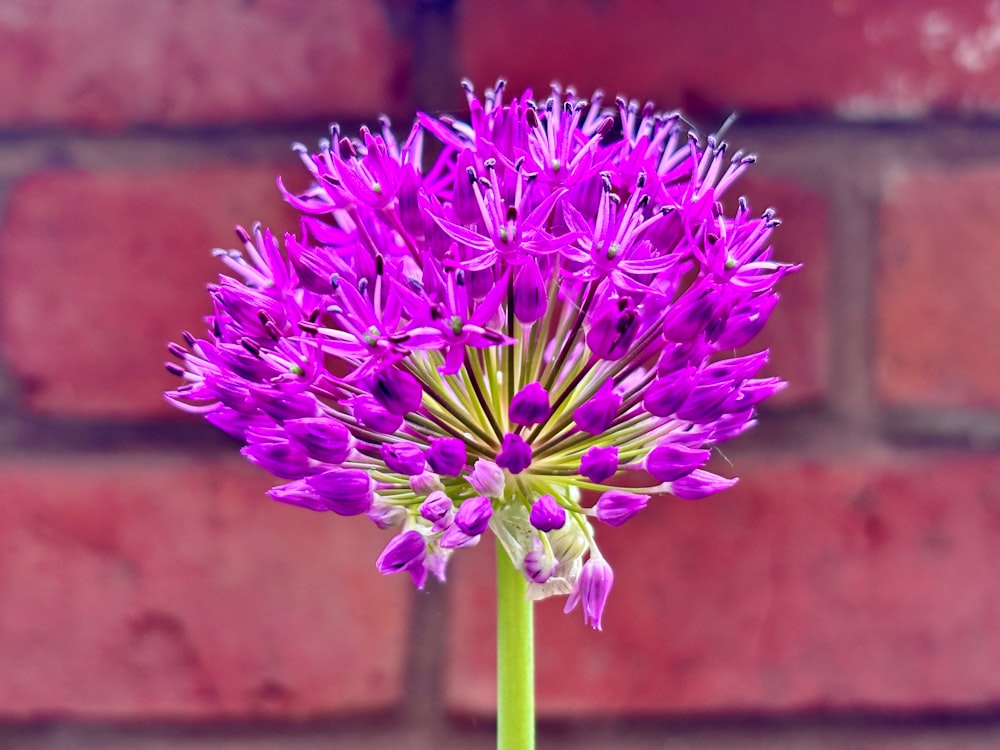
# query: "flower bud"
[[530, 295], [373, 416], [700, 483], [403, 458], [547, 514], [279, 456], [613, 328], [397, 390], [347, 492], [599, 463], [667, 394], [323, 438], [515, 454], [384, 515], [438, 509], [599, 411], [425, 483], [405, 551], [473, 515], [539, 565], [486, 478], [530, 405], [615, 507], [447, 456], [669, 462]]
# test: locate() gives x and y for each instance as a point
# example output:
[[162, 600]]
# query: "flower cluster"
[[469, 340]]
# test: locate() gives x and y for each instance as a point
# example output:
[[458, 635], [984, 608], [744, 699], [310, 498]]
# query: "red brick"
[[891, 58], [851, 584], [939, 259], [797, 333], [140, 588], [99, 271], [102, 64]]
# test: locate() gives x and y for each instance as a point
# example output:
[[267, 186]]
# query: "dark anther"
[[518, 164], [241, 233], [415, 284], [532, 117], [471, 174], [216, 328], [188, 338], [605, 127], [511, 213], [744, 205], [643, 201], [460, 277], [379, 265], [175, 369], [436, 313], [272, 330], [335, 281], [346, 149], [177, 350], [251, 346], [330, 180], [622, 304], [640, 181], [625, 321], [492, 335], [606, 181], [362, 286], [490, 163], [308, 326], [314, 315], [399, 338]]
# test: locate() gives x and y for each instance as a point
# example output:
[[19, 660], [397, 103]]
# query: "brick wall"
[[844, 595]]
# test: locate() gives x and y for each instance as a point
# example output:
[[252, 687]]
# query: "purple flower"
[[547, 298], [591, 591]]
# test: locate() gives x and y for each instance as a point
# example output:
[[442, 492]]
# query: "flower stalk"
[[515, 658]]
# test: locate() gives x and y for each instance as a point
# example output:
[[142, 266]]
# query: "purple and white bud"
[[591, 590], [403, 458], [397, 390], [373, 416], [515, 454], [486, 478], [599, 463], [447, 456], [596, 415], [405, 551], [384, 515], [530, 405], [454, 538], [323, 438], [473, 515], [615, 507], [539, 565], [425, 483], [547, 514], [438, 509], [530, 293], [669, 462], [700, 483]]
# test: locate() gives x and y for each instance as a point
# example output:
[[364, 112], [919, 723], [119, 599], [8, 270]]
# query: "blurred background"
[[846, 594]]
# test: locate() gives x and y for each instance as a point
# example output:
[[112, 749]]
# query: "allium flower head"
[[472, 339]]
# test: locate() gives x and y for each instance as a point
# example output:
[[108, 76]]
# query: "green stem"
[[515, 658]]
